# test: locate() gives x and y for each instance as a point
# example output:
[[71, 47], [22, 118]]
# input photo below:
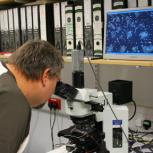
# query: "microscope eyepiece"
[[65, 91]]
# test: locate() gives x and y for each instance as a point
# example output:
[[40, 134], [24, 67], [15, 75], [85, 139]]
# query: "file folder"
[[24, 34], [47, 22], [79, 25], [2, 29], [63, 5], [43, 27], [97, 29], [57, 27], [69, 16], [132, 3], [17, 27], [29, 22], [36, 22], [11, 30], [6, 31], [144, 3], [88, 30], [107, 5]]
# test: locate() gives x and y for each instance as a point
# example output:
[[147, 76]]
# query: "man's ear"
[[45, 76]]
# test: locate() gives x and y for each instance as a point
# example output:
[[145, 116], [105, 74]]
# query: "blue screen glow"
[[130, 32]]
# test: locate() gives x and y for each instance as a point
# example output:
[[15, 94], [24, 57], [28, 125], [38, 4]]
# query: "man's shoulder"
[[10, 93]]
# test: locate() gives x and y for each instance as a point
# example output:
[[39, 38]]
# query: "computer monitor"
[[129, 34]]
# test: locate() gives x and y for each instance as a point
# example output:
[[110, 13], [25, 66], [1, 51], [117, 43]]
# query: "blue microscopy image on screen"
[[130, 32]]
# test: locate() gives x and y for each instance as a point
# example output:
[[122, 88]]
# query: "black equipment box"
[[121, 90]]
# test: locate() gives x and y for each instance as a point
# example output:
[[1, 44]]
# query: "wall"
[[142, 78], [40, 132]]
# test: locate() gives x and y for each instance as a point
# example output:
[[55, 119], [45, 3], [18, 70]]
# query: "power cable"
[[52, 128], [135, 109], [100, 87]]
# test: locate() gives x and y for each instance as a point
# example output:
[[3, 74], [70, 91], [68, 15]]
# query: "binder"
[[11, 30], [17, 27], [88, 30], [69, 16], [24, 34], [107, 5], [46, 22], [132, 3], [79, 25], [29, 22], [97, 29], [57, 27], [43, 28], [2, 30], [144, 3], [36, 22], [63, 5], [6, 31]]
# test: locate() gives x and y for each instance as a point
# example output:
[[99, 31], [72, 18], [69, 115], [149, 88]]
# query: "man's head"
[[40, 63]]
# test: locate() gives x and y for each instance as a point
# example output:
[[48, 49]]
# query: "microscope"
[[95, 129], [99, 125]]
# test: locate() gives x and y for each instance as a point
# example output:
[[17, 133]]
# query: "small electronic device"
[[129, 34], [122, 91]]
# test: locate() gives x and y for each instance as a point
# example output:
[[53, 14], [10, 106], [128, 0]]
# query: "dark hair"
[[33, 57]]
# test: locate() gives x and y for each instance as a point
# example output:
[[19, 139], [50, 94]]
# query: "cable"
[[139, 138], [106, 97], [52, 128], [135, 109], [141, 132], [58, 126]]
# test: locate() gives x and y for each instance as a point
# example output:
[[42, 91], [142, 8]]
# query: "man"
[[27, 80]]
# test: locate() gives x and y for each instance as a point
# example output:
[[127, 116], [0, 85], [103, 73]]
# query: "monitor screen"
[[129, 34]]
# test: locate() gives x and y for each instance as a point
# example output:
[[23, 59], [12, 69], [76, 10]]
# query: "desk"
[[59, 150], [143, 150]]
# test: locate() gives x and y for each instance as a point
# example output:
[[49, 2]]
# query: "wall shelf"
[[115, 62], [39, 2], [102, 61], [3, 2]]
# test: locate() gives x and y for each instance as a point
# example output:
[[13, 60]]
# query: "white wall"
[[142, 78], [40, 132]]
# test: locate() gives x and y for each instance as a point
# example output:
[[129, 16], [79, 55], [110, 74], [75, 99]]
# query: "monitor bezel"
[[123, 56]]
